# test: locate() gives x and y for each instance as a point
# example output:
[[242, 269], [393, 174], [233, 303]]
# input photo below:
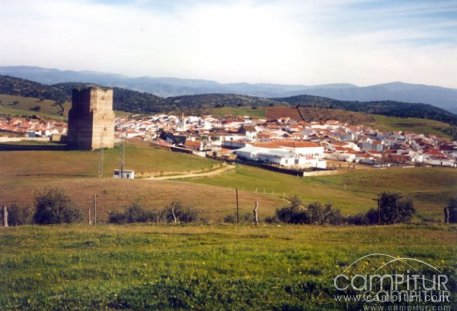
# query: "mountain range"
[[445, 98], [142, 102]]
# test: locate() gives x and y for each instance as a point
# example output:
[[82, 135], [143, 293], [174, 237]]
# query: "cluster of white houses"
[[32, 127], [288, 143], [283, 142]]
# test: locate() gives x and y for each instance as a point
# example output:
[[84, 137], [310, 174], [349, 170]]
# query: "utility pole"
[[123, 157], [237, 207]]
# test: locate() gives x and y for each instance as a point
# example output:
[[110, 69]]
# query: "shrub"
[[452, 210], [133, 213], [19, 216], [394, 209], [176, 212], [245, 218], [314, 213], [53, 206], [358, 219], [272, 220], [294, 213], [231, 219], [173, 213]]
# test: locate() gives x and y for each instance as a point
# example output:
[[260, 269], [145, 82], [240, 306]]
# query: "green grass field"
[[11, 105], [76, 172], [201, 267], [25, 105], [415, 125], [138, 156], [354, 191], [258, 112]]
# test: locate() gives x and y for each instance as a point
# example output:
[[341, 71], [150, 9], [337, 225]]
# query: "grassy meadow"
[[258, 112], [352, 191], [204, 266], [76, 172], [416, 125], [201, 267], [19, 160], [20, 105], [12, 105]]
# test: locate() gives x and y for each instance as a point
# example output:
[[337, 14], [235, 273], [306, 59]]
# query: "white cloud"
[[305, 42]]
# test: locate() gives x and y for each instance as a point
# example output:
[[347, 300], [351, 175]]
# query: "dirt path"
[[191, 175]]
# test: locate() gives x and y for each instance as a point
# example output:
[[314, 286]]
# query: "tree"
[[53, 206], [393, 209], [294, 213]]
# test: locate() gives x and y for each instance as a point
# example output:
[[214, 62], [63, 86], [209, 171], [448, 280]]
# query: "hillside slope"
[[445, 98], [138, 102]]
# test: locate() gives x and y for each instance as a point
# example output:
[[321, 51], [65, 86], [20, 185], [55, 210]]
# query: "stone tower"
[[91, 118]]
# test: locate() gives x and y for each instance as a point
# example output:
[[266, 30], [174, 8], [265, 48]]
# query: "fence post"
[[256, 215], [5, 216]]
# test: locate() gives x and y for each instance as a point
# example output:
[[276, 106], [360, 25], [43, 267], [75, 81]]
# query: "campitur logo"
[[380, 278]]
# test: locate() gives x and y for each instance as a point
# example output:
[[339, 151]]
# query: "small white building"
[[125, 174]]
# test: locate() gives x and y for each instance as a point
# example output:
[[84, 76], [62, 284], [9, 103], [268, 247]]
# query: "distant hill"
[[126, 100], [27, 88], [387, 108], [139, 102], [445, 98]]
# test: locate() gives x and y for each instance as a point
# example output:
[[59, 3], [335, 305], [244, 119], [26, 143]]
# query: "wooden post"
[[446, 215], [5, 216], [90, 217], [256, 215], [237, 207], [95, 210]]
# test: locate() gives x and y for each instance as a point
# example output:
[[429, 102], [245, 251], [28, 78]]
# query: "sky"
[[305, 42]]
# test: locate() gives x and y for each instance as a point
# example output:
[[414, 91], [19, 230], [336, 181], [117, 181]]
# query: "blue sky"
[[278, 41]]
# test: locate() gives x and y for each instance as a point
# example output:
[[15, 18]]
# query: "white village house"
[[287, 154]]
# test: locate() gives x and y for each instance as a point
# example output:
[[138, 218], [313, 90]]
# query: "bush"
[[231, 219], [133, 213], [19, 216], [452, 210], [295, 213], [245, 218], [173, 213], [53, 206], [394, 209], [176, 212], [314, 213]]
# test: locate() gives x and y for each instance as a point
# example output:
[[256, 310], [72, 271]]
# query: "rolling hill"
[[445, 98], [138, 102]]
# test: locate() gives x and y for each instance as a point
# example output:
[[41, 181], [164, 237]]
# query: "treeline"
[[392, 209], [21, 87]]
